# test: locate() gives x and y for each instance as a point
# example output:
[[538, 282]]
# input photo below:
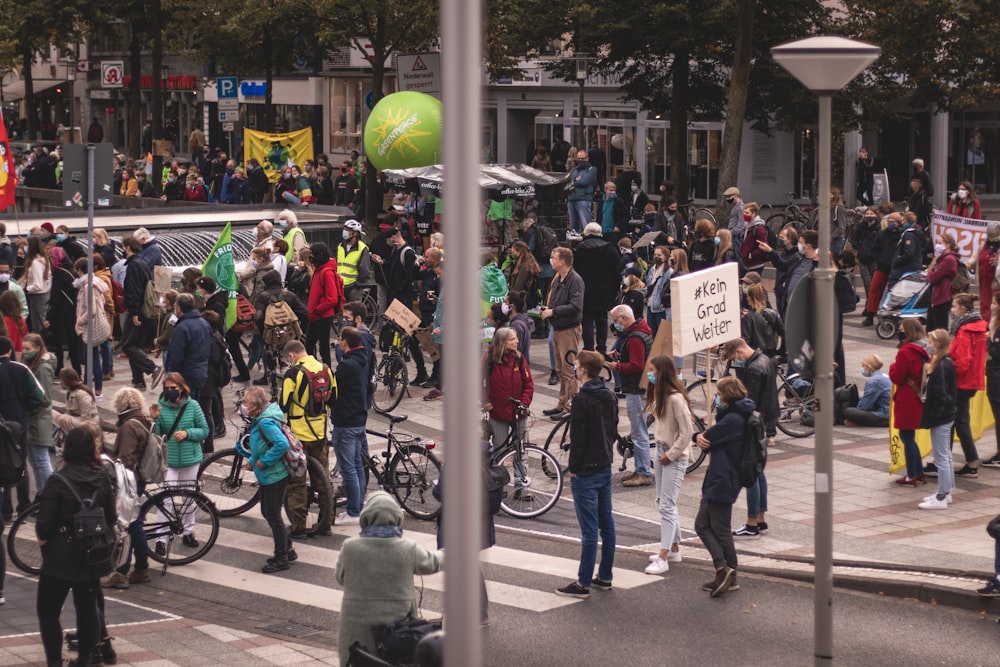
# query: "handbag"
[[397, 641]]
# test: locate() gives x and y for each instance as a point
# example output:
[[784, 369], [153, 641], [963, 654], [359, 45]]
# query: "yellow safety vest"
[[290, 240], [347, 262]]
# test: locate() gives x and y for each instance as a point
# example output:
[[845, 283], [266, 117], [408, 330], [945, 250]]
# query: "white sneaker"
[[934, 504], [674, 556], [947, 498], [345, 519], [658, 566]]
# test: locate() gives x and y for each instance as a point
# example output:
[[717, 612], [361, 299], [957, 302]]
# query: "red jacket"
[[941, 275], [968, 351], [750, 250], [985, 271], [326, 292], [909, 366], [965, 209], [511, 378]]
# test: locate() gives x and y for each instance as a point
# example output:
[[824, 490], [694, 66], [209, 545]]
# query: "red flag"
[[8, 175]]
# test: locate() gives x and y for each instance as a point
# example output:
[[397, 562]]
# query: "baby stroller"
[[909, 298]]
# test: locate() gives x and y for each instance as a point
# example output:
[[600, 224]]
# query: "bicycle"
[[536, 476], [391, 377], [373, 318], [163, 515], [236, 489], [693, 213]]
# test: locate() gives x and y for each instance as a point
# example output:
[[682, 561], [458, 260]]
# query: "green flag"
[[220, 267]]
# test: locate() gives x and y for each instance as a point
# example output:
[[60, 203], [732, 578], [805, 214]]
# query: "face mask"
[[730, 200], [865, 373], [171, 180], [29, 355], [282, 223], [612, 195], [939, 248], [901, 336], [651, 377], [163, 302], [716, 403], [346, 235], [658, 261], [172, 395], [739, 363], [672, 211], [802, 248], [4, 277], [780, 242], [244, 410], [617, 326], [890, 224], [505, 308], [635, 188], [748, 217], [662, 189], [60, 238], [870, 219], [962, 193], [253, 263], [717, 240]]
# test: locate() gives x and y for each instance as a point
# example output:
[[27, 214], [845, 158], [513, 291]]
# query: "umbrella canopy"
[[517, 181]]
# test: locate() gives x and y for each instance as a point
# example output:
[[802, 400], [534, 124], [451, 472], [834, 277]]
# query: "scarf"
[[962, 320], [382, 531]]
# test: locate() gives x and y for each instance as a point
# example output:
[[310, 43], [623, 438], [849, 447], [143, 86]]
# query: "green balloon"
[[404, 130]]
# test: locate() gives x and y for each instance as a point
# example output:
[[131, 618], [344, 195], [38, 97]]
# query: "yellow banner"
[[275, 151], [980, 419]]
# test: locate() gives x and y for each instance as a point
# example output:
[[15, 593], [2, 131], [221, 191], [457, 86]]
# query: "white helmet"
[[353, 225]]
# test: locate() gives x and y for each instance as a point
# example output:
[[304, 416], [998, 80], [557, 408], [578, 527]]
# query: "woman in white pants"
[[668, 403]]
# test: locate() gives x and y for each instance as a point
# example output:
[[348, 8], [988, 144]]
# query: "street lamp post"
[[581, 78], [824, 65]]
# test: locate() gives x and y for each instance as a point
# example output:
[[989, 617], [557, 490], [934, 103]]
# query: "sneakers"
[[674, 556], [420, 379], [723, 580], [559, 415], [770, 441], [992, 462], [190, 541], [3, 600], [553, 378], [638, 480], [141, 386], [574, 590], [990, 590], [747, 532], [275, 565], [933, 503], [157, 376], [948, 499], [139, 576], [115, 580], [345, 519], [762, 527], [966, 471], [709, 585], [658, 566], [931, 470], [434, 395], [602, 584], [552, 411]]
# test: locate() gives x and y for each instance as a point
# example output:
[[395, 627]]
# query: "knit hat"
[[47, 226], [207, 284]]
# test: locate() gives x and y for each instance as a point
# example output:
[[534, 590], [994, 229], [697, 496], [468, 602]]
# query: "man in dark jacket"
[[190, 346], [758, 373], [596, 261], [380, 251], [350, 414], [865, 177], [637, 341], [259, 185], [137, 329], [401, 268], [909, 249], [593, 428], [564, 311]]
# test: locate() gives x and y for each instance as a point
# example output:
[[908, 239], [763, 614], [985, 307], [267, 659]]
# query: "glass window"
[[657, 158]]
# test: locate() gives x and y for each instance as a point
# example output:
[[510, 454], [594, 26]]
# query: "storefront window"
[[657, 158], [980, 158], [347, 96], [704, 146]]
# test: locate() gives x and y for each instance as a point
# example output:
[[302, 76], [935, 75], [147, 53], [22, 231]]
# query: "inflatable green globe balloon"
[[404, 130]]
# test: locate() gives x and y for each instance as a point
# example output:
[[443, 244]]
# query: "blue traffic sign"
[[227, 88]]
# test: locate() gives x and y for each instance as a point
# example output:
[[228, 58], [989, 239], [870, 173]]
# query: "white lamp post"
[[824, 65]]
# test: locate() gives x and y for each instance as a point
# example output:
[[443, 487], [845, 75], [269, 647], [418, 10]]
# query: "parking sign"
[[227, 88]]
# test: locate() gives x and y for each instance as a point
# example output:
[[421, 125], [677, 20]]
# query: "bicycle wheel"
[[390, 383], [22, 545], [372, 316], [776, 222], [700, 401], [163, 519], [696, 454], [796, 412], [557, 444], [413, 472], [318, 499], [223, 477], [536, 481], [704, 214], [336, 482]]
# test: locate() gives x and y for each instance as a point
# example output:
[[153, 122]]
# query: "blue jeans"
[[347, 443], [837, 246], [757, 497], [668, 486], [140, 548], [290, 197], [41, 465], [639, 432], [552, 352], [579, 215], [911, 452], [107, 357], [96, 366], [941, 446], [592, 498]]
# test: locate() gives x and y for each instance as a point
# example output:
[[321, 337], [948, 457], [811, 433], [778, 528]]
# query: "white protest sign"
[[705, 308], [969, 234]]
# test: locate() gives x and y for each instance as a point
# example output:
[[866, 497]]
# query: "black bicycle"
[[391, 377]]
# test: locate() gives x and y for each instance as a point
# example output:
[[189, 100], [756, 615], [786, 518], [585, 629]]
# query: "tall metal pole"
[[582, 146], [823, 612], [463, 494], [91, 311]]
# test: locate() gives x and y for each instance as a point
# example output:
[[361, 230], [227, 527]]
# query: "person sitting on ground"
[[873, 406], [81, 404]]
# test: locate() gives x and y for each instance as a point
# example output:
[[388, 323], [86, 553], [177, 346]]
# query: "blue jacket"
[[350, 410], [582, 179], [268, 445], [189, 349], [875, 399], [722, 482]]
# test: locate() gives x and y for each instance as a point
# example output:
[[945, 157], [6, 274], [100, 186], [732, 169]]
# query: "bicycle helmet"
[[353, 225]]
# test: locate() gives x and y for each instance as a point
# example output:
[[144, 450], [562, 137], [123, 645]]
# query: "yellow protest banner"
[[277, 150], [980, 419]]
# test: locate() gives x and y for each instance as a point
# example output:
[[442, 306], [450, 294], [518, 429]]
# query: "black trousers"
[[236, 352], [133, 345], [272, 505], [595, 319], [319, 333], [51, 596]]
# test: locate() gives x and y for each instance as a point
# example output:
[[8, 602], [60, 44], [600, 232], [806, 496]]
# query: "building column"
[[852, 144], [938, 167]]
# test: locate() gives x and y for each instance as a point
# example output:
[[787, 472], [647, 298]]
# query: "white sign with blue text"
[[705, 308]]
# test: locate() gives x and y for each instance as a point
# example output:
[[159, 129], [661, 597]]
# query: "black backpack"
[[12, 453], [220, 361], [93, 539], [545, 241], [753, 448]]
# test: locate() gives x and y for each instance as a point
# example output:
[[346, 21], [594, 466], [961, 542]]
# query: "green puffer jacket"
[[40, 419], [187, 452]]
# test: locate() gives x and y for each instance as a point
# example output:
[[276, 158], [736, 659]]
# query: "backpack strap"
[[88, 503]]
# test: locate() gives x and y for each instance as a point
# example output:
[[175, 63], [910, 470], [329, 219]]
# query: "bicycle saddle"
[[397, 420]]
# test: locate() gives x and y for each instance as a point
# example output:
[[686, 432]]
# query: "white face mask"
[[939, 249], [4, 277], [802, 248], [505, 308], [962, 193]]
